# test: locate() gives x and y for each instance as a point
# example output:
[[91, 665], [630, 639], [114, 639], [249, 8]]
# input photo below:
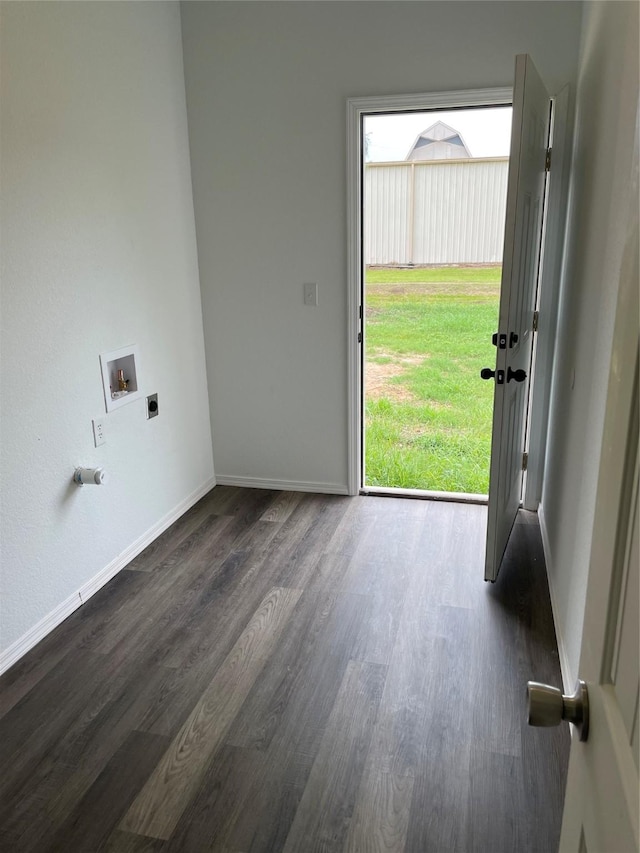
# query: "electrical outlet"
[[311, 293], [152, 406], [98, 432]]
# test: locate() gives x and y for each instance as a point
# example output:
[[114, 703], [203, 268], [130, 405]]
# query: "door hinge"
[[547, 160], [360, 312], [536, 320], [359, 337], [525, 461]]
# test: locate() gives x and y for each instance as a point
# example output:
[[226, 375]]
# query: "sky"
[[486, 131]]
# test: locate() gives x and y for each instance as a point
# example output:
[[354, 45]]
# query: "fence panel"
[[387, 214], [436, 212]]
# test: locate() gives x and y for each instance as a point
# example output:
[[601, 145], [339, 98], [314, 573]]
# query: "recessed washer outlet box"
[[120, 376], [152, 406]]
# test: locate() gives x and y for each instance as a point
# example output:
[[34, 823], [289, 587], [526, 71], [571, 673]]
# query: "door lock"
[[487, 373], [548, 707], [518, 375], [499, 340]]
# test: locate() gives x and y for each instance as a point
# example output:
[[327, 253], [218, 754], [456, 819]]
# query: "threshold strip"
[[424, 495]]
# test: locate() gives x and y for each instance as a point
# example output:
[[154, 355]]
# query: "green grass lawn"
[[392, 275], [428, 413]]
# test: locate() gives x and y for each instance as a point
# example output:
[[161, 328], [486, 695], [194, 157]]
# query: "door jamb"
[[356, 109], [550, 279]]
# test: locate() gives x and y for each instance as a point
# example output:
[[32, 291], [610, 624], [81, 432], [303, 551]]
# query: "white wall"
[[267, 85], [607, 102], [98, 252]]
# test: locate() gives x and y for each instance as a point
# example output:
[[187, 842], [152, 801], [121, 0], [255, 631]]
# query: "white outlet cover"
[[99, 437]]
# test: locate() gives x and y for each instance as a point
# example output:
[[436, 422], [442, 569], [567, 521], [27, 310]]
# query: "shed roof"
[[439, 142]]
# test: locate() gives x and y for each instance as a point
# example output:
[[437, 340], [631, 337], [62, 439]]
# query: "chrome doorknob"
[[548, 707]]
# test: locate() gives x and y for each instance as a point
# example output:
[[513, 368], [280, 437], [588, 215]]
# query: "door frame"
[[549, 291], [357, 108], [550, 272]]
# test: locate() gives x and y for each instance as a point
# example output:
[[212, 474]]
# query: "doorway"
[[433, 206], [532, 201]]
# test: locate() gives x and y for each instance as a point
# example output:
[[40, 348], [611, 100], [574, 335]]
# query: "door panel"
[[601, 804], [523, 229], [624, 669]]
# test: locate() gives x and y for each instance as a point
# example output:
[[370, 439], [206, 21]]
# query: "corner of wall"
[[51, 621], [99, 253]]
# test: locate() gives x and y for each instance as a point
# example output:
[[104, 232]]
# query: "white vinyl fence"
[[435, 212]]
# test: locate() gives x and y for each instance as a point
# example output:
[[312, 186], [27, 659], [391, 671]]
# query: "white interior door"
[[523, 228], [601, 804]]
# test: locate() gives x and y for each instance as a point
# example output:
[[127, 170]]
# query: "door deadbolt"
[[548, 707], [487, 373], [518, 375]]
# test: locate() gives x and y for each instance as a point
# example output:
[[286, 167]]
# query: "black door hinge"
[[525, 461], [547, 161]]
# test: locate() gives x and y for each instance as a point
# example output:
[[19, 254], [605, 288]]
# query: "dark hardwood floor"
[[288, 672]]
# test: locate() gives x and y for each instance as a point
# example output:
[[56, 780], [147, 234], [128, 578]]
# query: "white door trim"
[[550, 277], [356, 109]]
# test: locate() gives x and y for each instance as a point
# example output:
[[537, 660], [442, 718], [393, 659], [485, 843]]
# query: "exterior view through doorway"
[[433, 196]]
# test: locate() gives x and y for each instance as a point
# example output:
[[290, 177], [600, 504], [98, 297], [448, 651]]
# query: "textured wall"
[[98, 253], [267, 85]]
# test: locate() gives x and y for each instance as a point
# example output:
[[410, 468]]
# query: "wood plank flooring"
[[299, 673]]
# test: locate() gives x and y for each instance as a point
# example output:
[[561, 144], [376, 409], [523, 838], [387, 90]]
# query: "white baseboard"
[[40, 630], [283, 485], [565, 669]]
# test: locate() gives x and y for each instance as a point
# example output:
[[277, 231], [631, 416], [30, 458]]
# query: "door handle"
[[548, 707], [518, 375], [487, 373]]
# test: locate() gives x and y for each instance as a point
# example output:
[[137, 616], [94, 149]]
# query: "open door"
[[601, 803], [523, 231]]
